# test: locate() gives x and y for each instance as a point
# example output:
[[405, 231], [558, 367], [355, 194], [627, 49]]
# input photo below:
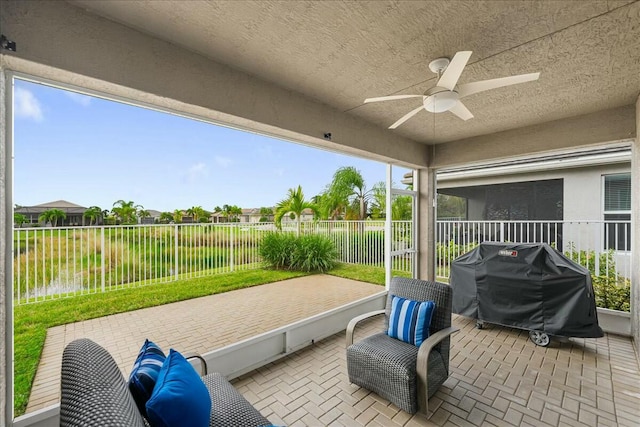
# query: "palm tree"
[[126, 211], [294, 204], [196, 212], [143, 213], [265, 213], [52, 216], [401, 208], [19, 219], [93, 213], [235, 211], [349, 189], [177, 216], [166, 217]]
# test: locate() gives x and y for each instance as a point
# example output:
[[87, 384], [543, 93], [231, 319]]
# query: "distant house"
[[73, 212], [307, 215], [593, 186], [217, 217], [154, 217], [253, 216]]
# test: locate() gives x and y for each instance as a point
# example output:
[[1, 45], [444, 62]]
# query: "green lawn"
[[31, 321]]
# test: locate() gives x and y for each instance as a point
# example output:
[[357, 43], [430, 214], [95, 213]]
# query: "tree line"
[[346, 197]]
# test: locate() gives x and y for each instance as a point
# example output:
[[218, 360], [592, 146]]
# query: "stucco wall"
[[582, 189]]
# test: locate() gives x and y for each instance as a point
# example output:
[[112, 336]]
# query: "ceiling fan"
[[446, 94]]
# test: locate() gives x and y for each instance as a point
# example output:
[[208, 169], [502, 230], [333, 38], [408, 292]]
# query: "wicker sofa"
[[94, 393]]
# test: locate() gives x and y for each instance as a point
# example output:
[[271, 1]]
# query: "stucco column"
[[635, 233], [5, 339], [427, 224]]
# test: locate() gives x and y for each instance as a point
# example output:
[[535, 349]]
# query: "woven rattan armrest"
[[354, 322], [422, 362]]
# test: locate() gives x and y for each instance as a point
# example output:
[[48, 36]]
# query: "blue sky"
[[91, 151]]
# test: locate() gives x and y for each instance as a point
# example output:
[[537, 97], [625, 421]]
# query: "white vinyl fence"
[[59, 262], [604, 247]]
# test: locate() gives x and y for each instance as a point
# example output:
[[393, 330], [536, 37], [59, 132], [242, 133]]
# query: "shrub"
[[303, 253], [313, 253], [611, 290], [276, 249]]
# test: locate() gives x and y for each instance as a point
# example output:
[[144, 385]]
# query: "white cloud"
[[79, 98], [27, 105], [279, 171], [196, 172], [223, 162]]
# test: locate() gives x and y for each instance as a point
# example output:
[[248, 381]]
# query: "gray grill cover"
[[525, 285]]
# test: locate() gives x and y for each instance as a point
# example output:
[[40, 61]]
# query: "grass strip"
[[31, 321], [364, 273]]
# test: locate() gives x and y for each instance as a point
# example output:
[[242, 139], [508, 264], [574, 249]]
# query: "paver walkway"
[[200, 325]]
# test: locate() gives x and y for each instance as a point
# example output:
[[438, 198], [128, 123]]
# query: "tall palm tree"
[[126, 211], [294, 204], [349, 189], [92, 213], [52, 216]]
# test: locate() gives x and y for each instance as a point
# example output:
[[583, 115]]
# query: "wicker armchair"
[[400, 372]]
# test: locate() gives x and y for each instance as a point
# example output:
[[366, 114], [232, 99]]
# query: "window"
[[617, 212]]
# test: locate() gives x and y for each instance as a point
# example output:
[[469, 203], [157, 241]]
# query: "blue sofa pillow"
[[179, 398], [145, 373], [410, 320]]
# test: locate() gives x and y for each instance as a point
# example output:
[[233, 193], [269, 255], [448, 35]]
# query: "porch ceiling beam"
[[65, 43], [581, 131]]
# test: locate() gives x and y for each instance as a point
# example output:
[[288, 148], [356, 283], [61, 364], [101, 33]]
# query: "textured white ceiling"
[[339, 53]]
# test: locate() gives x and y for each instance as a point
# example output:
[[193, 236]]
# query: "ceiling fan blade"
[[461, 111], [406, 117], [391, 98], [450, 77], [475, 87]]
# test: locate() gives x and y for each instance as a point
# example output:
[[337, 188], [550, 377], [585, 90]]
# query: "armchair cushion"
[[410, 320], [145, 374], [180, 398]]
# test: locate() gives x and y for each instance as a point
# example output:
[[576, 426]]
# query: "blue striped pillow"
[[145, 374], [410, 320]]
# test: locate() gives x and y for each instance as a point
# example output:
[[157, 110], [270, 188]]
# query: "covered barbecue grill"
[[525, 285]]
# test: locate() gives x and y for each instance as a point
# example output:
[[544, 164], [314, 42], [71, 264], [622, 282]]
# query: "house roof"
[[63, 205], [59, 204]]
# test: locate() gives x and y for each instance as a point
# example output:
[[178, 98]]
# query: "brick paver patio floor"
[[498, 376], [200, 325]]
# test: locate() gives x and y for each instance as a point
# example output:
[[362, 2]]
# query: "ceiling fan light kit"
[[446, 94]]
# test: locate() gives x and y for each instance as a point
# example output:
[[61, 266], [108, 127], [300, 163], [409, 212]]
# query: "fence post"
[[102, 265], [349, 244], [502, 239], [231, 248], [175, 253]]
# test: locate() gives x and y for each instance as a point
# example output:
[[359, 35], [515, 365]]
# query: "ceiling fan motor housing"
[[439, 99]]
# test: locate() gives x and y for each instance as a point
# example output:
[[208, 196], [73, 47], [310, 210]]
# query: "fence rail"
[[58, 262]]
